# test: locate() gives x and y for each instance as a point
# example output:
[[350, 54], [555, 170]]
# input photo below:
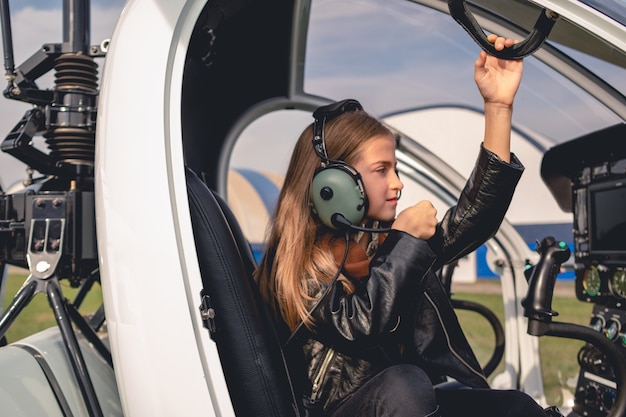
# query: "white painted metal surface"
[[598, 23], [165, 362]]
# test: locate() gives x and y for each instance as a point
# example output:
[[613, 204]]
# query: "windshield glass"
[[613, 8], [401, 56]]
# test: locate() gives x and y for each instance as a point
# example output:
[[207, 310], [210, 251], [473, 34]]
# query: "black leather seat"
[[244, 331]]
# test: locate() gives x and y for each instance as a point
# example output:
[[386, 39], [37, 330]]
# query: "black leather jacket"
[[401, 313]]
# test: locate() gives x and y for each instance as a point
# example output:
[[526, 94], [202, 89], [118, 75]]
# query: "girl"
[[370, 324]]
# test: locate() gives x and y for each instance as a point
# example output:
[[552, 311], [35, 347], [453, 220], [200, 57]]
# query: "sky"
[[46, 16]]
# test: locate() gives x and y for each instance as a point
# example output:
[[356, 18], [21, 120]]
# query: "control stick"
[[542, 277], [538, 308]]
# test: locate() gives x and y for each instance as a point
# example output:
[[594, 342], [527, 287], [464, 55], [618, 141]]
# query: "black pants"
[[487, 403], [398, 391], [406, 391]]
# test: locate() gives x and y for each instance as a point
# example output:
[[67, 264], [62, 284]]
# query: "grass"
[[558, 356], [559, 365], [37, 315]]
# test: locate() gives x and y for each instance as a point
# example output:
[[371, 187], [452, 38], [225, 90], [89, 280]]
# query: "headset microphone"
[[340, 222]]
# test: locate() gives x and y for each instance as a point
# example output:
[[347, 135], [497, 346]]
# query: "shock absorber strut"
[[71, 118], [65, 115]]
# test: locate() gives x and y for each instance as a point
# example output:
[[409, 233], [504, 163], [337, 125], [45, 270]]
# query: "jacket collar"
[[357, 263]]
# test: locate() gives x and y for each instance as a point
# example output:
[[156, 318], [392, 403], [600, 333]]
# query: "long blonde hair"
[[294, 264]]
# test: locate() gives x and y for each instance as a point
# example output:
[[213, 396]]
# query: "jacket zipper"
[[454, 352], [321, 374]]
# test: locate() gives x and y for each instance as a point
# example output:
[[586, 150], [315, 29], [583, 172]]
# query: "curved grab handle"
[[612, 352], [543, 26]]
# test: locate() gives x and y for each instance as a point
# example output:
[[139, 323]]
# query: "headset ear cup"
[[338, 189]]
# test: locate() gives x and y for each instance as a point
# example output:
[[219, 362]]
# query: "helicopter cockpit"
[[138, 192]]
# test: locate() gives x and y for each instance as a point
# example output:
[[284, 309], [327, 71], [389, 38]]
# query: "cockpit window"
[[401, 55], [615, 9]]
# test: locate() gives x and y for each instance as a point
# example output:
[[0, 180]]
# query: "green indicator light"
[[623, 339], [562, 245]]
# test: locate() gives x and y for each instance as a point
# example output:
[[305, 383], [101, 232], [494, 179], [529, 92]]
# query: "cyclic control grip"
[[542, 277]]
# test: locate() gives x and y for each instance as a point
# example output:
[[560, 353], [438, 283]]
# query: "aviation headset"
[[337, 190]]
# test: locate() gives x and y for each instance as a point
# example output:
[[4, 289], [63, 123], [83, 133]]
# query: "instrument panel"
[[587, 176], [599, 206], [602, 283]]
